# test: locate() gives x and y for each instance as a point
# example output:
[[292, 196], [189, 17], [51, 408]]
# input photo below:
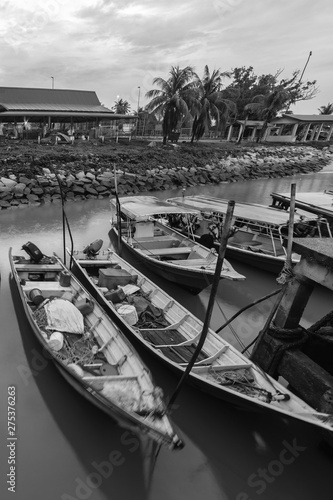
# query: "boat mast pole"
[[216, 280], [118, 208]]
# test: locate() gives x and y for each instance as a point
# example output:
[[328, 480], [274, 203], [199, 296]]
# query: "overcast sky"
[[114, 47]]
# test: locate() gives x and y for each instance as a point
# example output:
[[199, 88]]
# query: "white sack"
[[63, 316]]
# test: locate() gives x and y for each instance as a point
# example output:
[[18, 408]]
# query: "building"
[[287, 128], [31, 112]]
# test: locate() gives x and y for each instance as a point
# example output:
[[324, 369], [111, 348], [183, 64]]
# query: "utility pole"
[[52, 78], [300, 78], [137, 123], [310, 54]]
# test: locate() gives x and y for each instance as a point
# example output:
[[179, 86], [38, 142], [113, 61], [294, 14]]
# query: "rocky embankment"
[[28, 178]]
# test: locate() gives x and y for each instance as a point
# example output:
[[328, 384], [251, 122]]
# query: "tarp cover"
[[63, 316]]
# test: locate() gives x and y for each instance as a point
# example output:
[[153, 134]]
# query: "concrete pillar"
[[319, 128], [294, 130], [293, 303], [253, 135], [241, 128], [306, 131], [230, 132]]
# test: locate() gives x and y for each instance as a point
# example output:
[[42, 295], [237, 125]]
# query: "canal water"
[[65, 447]]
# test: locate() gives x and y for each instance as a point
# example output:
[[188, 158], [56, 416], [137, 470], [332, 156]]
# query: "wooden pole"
[[216, 280], [288, 264], [118, 209]]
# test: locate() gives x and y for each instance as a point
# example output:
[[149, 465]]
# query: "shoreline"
[[28, 172]]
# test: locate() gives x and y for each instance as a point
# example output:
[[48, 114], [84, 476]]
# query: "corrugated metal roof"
[[309, 118], [30, 99]]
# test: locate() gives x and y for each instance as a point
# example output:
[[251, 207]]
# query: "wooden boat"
[[317, 203], [164, 250], [89, 349], [170, 333], [258, 231]]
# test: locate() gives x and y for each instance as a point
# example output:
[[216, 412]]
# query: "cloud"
[[113, 47]]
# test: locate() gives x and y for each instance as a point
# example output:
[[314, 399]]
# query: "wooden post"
[[211, 302]]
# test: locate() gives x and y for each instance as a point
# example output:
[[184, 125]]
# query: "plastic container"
[[65, 278], [56, 341], [36, 296], [111, 278], [128, 313]]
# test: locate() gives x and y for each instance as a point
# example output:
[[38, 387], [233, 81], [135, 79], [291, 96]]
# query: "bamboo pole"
[[216, 279]]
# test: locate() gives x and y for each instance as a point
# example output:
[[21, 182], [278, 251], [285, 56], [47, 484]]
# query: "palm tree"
[[212, 105], [121, 107], [174, 99], [326, 110]]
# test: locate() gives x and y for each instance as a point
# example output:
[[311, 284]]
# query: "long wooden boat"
[[89, 349], [170, 333], [164, 250], [317, 203], [258, 231]]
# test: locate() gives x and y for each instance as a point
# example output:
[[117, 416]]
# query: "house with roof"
[[27, 109], [287, 128]]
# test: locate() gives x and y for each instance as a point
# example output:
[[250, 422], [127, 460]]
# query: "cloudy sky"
[[114, 47]]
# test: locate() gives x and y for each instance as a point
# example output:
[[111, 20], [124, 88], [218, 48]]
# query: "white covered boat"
[[258, 232], [167, 252]]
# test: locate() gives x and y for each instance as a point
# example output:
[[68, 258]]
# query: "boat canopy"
[[248, 211], [141, 208], [311, 201]]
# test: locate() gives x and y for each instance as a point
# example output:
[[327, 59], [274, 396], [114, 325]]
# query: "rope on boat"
[[287, 274]]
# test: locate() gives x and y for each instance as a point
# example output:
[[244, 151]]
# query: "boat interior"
[[160, 242]]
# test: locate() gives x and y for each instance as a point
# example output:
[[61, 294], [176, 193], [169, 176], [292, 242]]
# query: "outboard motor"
[[93, 249], [34, 253]]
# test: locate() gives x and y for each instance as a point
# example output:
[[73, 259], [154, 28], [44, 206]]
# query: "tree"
[[212, 105], [174, 99], [326, 110], [121, 107], [245, 86], [283, 94]]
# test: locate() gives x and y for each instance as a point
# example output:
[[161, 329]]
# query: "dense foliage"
[[184, 95]]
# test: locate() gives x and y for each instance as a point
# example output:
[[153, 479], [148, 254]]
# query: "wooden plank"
[[221, 368], [45, 285], [90, 378], [178, 353], [38, 267], [167, 251]]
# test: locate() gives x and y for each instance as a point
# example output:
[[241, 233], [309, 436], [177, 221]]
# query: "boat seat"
[[167, 251], [38, 268], [197, 263], [222, 368], [177, 353], [47, 288]]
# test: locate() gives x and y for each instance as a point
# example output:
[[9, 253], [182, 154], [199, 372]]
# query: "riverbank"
[[86, 170]]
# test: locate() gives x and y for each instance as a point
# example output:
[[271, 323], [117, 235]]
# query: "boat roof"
[[247, 211], [140, 208], [311, 199]]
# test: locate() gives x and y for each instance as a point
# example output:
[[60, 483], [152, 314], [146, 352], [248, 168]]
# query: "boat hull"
[[207, 385], [193, 282], [129, 419]]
